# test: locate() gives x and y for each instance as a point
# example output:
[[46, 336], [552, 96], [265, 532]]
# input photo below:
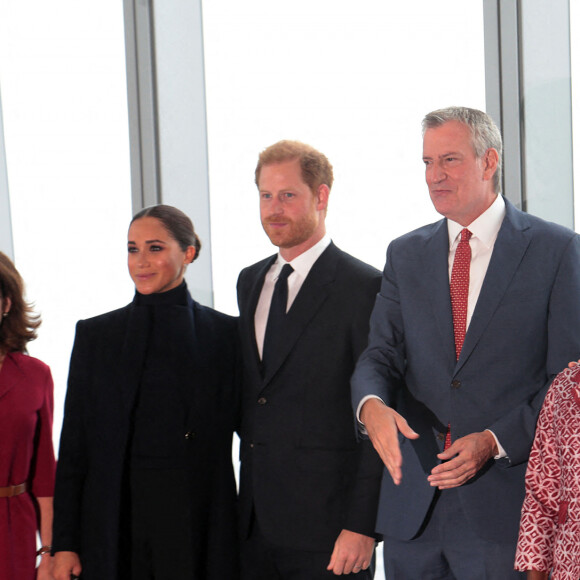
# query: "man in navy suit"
[[308, 490], [449, 394]]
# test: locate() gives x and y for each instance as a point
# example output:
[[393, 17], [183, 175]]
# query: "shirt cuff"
[[500, 450], [361, 426]]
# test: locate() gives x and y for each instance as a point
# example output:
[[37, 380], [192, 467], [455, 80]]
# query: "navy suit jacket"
[[524, 330], [303, 474]]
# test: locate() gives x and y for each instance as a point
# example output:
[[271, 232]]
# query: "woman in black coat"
[[145, 486]]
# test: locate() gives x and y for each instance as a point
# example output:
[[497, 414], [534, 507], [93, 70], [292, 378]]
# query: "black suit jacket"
[[104, 377], [302, 472]]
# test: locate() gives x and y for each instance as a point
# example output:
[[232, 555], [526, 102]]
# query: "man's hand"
[[383, 425], [464, 458], [352, 553], [66, 564]]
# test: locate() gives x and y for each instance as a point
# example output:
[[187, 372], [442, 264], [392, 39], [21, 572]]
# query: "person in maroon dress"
[[27, 464]]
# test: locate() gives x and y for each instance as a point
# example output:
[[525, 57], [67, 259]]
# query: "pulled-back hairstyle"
[[315, 167], [19, 326], [177, 224], [484, 132]]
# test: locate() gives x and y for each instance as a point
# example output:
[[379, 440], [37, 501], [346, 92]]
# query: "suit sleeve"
[[380, 368], [362, 512], [72, 463], [515, 430]]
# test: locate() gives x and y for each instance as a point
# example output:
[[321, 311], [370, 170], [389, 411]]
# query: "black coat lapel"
[[247, 329], [132, 355], [200, 395]]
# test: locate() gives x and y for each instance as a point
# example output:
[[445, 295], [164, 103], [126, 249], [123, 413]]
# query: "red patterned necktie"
[[460, 288], [459, 292]]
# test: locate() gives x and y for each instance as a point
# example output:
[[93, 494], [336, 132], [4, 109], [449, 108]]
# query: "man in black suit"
[[308, 490]]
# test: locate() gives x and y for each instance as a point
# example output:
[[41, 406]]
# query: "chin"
[[145, 289], [276, 240]]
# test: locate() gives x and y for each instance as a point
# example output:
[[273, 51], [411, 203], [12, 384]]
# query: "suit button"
[[262, 401], [251, 445], [190, 435], [455, 384]]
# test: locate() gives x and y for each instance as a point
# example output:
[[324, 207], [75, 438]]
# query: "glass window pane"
[[64, 99], [353, 80]]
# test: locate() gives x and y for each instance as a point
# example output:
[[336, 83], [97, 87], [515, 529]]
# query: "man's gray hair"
[[484, 132]]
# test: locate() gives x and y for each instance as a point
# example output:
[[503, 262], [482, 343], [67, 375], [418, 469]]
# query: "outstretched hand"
[[383, 426], [463, 459]]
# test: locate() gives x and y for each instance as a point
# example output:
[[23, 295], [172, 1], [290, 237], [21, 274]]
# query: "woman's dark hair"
[[20, 324], [177, 224]]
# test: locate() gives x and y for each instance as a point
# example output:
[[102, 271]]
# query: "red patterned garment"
[[550, 525]]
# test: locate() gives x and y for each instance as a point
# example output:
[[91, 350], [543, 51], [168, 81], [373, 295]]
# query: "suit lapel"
[[248, 330], [132, 355], [436, 268], [312, 294], [201, 357], [512, 242]]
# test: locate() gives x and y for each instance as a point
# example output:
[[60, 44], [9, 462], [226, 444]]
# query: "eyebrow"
[[148, 242], [457, 153]]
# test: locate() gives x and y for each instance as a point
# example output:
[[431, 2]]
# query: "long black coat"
[[104, 377], [302, 470]]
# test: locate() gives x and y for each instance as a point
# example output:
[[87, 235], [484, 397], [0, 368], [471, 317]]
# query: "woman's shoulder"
[[28, 364], [106, 318], [565, 389]]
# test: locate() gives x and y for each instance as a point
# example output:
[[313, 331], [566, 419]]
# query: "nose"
[[276, 207], [142, 260], [436, 173]]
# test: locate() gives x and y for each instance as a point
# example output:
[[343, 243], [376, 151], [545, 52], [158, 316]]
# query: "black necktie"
[[276, 316]]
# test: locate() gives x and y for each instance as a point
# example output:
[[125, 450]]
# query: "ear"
[[190, 254], [322, 194], [7, 305], [490, 163]]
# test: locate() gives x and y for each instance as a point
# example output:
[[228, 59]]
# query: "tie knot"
[[465, 235], [287, 269]]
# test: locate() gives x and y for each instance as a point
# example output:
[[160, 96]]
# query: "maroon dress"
[[550, 526], [26, 455]]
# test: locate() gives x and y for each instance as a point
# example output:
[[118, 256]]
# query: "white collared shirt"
[[484, 233], [302, 265]]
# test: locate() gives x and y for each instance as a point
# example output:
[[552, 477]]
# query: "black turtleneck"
[[162, 403]]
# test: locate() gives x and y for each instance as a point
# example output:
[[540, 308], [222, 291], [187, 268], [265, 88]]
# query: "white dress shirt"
[[302, 265], [484, 232]]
